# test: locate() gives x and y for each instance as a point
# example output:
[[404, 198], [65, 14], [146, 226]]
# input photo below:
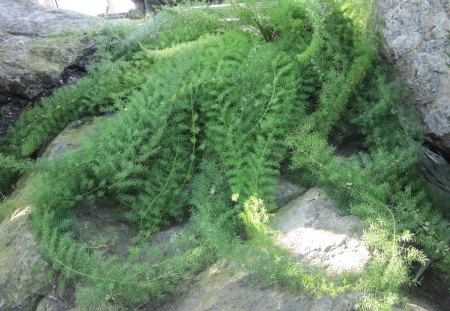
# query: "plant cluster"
[[209, 106]]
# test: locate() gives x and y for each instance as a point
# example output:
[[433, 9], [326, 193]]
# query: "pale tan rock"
[[315, 231], [224, 288]]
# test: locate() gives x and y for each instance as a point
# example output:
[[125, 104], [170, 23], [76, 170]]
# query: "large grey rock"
[[72, 137], [23, 270], [415, 39], [22, 266], [48, 304], [40, 48]]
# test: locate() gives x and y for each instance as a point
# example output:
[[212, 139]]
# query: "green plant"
[[204, 118]]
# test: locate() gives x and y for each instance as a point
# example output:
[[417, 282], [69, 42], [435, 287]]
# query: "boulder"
[[40, 48], [23, 269], [22, 266], [415, 39], [287, 191], [48, 304], [72, 137], [315, 232], [222, 287]]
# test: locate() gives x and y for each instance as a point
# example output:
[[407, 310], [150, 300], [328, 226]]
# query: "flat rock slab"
[[314, 230]]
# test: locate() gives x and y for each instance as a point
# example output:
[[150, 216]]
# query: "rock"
[[48, 304], [223, 288], [101, 226], [71, 138], [23, 270], [415, 40], [286, 191], [22, 267], [313, 229], [437, 170], [433, 290], [416, 305], [166, 236], [39, 50]]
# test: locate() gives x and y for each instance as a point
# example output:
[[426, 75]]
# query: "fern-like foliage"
[[91, 96], [206, 106]]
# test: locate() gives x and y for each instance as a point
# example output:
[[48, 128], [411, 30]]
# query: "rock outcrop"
[[40, 48], [23, 270], [224, 288], [22, 266], [309, 226], [415, 38], [315, 232]]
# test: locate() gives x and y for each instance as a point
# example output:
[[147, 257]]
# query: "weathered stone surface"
[[286, 191], [71, 138], [314, 230], [223, 288], [416, 305], [40, 48], [415, 39], [48, 304], [22, 266]]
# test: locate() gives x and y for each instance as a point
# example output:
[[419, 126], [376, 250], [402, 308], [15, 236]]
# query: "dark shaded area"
[[10, 108], [348, 146], [438, 144], [433, 288]]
